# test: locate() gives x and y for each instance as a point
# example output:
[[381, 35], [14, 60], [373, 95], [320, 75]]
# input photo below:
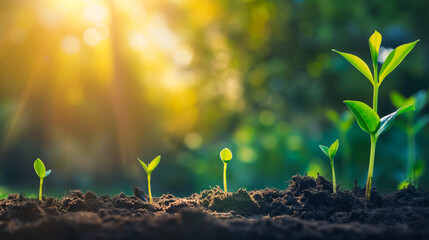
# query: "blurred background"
[[90, 85]]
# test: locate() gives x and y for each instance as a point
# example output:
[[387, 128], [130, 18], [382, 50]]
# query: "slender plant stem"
[[224, 178], [371, 166], [334, 182], [40, 189], [411, 145], [376, 86], [149, 190]]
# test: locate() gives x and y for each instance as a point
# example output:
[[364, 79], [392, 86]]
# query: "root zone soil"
[[307, 209]]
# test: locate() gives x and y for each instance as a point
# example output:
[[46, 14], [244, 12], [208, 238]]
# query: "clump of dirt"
[[307, 209], [239, 202]]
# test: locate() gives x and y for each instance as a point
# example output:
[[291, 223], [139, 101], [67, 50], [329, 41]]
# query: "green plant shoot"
[[40, 169], [225, 156], [330, 152], [342, 122], [413, 125], [366, 116], [149, 168]]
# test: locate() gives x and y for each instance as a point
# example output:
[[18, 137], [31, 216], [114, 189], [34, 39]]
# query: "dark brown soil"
[[307, 209]]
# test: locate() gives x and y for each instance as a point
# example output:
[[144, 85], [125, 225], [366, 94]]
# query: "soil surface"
[[307, 209]]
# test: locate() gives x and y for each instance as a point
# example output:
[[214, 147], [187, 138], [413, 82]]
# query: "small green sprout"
[[366, 116], [40, 169], [330, 152], [225, 156], [149, 168], [413, 125]]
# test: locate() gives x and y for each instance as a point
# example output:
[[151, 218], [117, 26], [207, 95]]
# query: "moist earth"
[[307, 209]]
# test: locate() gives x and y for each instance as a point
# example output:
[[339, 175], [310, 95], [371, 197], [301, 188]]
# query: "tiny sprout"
[[40, 169], [149, 168], [330, 152], [225, 156]]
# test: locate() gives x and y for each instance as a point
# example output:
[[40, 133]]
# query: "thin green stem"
[[376, 86], [40, 189], [334, 182], [149, 190], [224, 178], [371, 166], [411, 145]]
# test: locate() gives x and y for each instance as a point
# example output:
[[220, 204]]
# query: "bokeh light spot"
[[193, 140], [70, 44], [92, 37]]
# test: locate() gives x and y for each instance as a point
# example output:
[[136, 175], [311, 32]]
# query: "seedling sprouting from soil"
[[342, 123], [225, 156], [330, 152], [40, 169], [149, 168], [366, 116], [412, 126]]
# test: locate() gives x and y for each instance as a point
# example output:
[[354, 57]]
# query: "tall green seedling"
[[330, 152], [225, 156], [40, 169], [149, 168], [413, 125], [366, 116]]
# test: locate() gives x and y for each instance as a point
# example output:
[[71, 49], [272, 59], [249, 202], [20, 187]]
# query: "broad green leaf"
[[333, 149], [40, 169], [374, 46], [397, 99], [47, 173], [421, 123], [357, 63], [143, 165], [387, 121], [367, 119], [3, 195], [325, 150], [225, 155], [154, 163], [394, 59]]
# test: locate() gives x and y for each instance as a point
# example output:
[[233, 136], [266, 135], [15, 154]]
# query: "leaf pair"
[[369, 120], [392, 61], [331, 151], [225, 155], [152, 165], [40, 169]]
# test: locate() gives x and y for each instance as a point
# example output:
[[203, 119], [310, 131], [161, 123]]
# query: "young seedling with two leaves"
[[412, 126], [330, 152], [225, 156], [149, 168], [342, 123], [40, 169], [366, 116]]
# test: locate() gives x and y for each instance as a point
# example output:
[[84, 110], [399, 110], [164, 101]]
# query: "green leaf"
[[387, 121], [47, 173], [374, 46], [225, 155], [357, 63], [394, 59], [143, 165], [3, 195], [333, 149], [367, 119], [154, 163], [40, 169], [397, 99], [325, 150]]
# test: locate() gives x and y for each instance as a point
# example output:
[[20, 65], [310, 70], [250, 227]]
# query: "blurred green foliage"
[[260, 80]]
